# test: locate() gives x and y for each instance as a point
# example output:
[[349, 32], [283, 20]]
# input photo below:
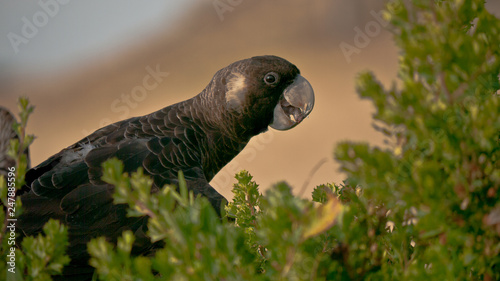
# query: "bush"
[[425, 207], [441, 178], [275, 236]]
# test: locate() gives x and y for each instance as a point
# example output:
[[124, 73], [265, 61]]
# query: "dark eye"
[[271, 78]]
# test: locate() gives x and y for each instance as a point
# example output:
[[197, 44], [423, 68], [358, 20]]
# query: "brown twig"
[[311, 174]]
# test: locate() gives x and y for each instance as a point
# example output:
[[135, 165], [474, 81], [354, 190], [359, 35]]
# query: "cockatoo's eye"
[[271, 78]]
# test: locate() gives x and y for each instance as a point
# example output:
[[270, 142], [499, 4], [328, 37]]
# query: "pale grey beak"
[[295, 104]]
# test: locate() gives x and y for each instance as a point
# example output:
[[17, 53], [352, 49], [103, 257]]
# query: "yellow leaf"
[[398, 150], [326, 216]]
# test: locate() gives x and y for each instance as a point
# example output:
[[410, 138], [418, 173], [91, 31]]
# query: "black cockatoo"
[[198, 136]]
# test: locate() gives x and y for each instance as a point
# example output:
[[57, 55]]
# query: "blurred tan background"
[[82, 64]]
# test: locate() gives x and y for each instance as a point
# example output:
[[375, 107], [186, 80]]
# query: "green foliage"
[[440, 179], [198, 245], [45, 255], [245, 209], [41, 256]]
